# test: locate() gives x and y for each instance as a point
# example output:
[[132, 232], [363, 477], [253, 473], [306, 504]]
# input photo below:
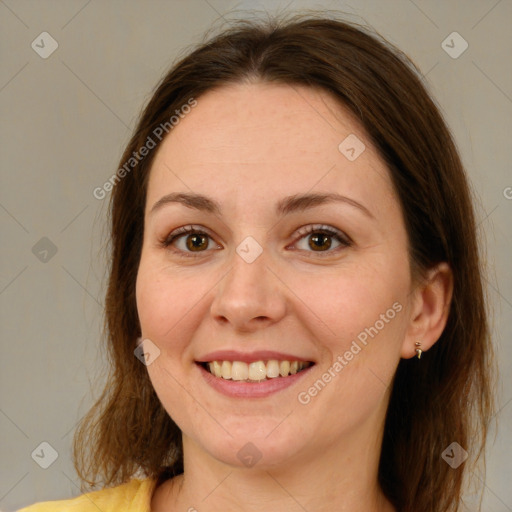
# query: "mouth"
[[256, 371]]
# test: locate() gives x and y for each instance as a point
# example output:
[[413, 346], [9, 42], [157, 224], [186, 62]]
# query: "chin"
[[261, 448]]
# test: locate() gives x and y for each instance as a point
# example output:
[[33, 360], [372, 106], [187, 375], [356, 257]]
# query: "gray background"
[[64, 123]]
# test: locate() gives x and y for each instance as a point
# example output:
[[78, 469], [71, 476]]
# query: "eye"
[[188, 240], [321, 238]]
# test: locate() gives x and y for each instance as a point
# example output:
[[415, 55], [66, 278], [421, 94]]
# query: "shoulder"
[[133, 496]]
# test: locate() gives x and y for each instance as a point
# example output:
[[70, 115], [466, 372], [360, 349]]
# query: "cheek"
[[360, 314], [165, 308], [362, 319], [163, 301], [352, 299], [152, 296], [172, 305]]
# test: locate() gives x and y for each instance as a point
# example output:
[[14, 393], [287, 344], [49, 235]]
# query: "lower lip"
[[239, 389]]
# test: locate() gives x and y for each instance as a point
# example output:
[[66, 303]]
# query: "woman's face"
[[269, 277]]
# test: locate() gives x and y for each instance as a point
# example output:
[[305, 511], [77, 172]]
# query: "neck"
[[343, 478]]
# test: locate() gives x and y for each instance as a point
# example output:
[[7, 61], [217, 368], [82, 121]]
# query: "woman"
[[295, 311]]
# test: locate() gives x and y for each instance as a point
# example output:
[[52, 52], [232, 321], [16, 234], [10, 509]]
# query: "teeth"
[[217, 369], [273, 369], [284, 368], [239, 371], [226, 370], [256, 371]]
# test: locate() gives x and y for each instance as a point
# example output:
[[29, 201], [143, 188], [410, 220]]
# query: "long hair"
[[445, 397]]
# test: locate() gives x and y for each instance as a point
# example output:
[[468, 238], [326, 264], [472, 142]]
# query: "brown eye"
[[188, 240], [320, 241], [197, 242]]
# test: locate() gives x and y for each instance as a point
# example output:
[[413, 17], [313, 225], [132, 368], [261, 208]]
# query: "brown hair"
[[447, 395]]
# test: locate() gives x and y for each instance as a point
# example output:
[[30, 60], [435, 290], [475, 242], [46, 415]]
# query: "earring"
[[418, 350]]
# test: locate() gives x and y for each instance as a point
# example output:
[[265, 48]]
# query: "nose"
[[250, 296]]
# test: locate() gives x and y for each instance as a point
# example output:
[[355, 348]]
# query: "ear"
[[430, 306]]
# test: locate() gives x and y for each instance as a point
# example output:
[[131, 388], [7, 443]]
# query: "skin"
[[247, 146]]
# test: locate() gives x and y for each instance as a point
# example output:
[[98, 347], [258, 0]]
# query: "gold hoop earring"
[[418, 350]]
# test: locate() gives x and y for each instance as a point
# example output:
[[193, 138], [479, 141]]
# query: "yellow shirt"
[[133, 496]]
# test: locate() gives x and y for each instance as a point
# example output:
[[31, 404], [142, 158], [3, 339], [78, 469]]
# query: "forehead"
[[259, 138], [260, 117]]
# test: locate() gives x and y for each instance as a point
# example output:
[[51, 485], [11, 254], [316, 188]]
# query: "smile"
[[256, 371]]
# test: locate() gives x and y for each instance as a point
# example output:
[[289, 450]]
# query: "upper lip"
[[249, 357]]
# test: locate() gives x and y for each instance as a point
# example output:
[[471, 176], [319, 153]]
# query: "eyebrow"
[[287, 205]]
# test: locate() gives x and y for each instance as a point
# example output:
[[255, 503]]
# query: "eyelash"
[[343, 239]]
